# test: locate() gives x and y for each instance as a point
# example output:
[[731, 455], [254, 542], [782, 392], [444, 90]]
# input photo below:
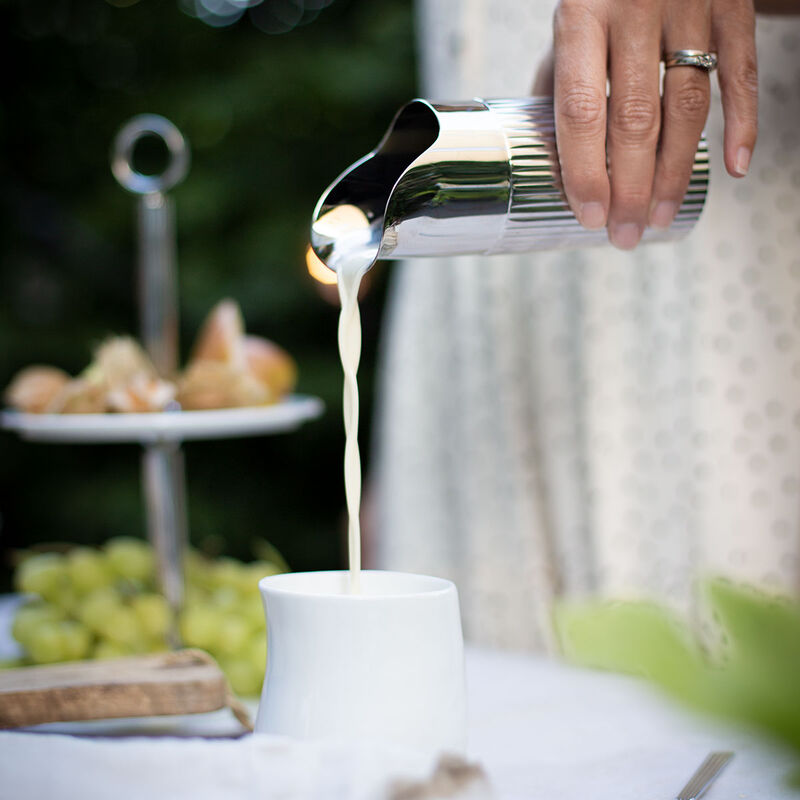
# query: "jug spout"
[[349, 220], [481, 176]]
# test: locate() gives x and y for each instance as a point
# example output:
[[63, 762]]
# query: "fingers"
[[684, 111], [613, 169], [580, 52], [633, 121], [734, 35]]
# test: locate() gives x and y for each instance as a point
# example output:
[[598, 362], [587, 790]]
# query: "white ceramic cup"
[[386, 664]]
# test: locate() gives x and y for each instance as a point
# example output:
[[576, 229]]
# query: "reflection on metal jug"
[[480, 176]]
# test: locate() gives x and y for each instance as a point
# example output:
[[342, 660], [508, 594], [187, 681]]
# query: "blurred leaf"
[[754, 678], [640, 638], [763, 663]]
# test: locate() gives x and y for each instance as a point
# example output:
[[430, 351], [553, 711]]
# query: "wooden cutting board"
[[180, 682]]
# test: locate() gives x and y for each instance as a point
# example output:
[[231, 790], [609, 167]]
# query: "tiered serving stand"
[[160, 434]]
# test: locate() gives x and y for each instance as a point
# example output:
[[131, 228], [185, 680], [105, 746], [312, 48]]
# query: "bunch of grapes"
[[104, 603]]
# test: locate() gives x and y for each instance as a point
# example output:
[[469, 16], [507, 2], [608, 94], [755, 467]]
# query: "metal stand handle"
[[163, 471], [164, 483]]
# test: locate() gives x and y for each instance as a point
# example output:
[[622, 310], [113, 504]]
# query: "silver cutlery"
[[704, 776]]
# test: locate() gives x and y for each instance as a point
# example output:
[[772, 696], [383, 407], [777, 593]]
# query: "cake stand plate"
[[167, 426]]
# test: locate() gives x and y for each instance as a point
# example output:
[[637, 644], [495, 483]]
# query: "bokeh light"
[[218, 13], [317, 269], [269, 16]]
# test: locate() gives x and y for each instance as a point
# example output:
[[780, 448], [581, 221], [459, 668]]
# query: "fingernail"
[[625, 236], [742, 163], [592, 216], [663, 214]]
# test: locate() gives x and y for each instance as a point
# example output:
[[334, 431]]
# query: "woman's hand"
[[649, 142]]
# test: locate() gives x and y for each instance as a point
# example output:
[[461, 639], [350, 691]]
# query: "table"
[[540, 729], [547, 730]]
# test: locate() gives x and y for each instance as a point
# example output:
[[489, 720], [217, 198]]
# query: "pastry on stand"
[[248, 375]]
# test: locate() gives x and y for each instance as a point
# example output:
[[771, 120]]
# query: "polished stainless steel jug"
[[480, 176]]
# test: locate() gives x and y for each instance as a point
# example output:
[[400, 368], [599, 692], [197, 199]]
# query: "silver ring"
[[691, 58]]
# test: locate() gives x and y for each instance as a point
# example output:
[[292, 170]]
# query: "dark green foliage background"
[[271, 120]]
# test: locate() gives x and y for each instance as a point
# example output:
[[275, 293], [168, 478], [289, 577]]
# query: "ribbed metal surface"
[[538, 216], [454, 178]]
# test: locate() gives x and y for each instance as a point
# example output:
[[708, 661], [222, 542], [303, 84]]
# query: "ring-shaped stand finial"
[[122, 155]]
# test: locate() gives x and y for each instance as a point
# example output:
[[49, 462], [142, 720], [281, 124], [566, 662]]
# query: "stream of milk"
[[349, 275]]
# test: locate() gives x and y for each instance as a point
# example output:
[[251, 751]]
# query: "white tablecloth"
[[540, 729]]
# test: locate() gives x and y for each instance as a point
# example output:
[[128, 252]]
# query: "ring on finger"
[[691, 58]]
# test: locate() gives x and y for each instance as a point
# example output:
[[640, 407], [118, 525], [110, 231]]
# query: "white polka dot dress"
[[596, 422]]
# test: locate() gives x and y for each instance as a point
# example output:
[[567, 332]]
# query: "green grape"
[[225, 598], [200, 626], [30, 617], [131, 558], [153, 613], [243, 677], [42, 574], [256, 571], [67, 598], [193, 596], [198, 571], [227, 572], [255, 652], [105, 649], [122, 627], [101, 604], [252, 611], [95, 607], [88, 570], [45, 644], [232, 636], [76, 640]]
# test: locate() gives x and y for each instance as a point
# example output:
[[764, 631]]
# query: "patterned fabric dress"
[[597, 422]]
